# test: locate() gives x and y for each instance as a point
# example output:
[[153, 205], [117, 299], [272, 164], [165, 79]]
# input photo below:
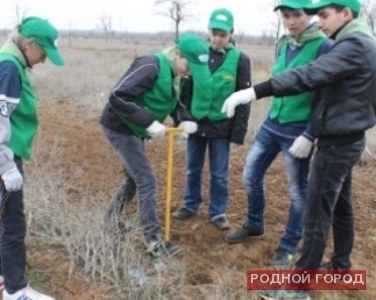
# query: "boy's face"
[[181, 64], [219, 38], [330, 20], [34, 53], [296, 21]]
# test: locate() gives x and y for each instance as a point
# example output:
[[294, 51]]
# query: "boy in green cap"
[[287, 130], [343, 110], [230, 71], [144, 96], [33, 41]]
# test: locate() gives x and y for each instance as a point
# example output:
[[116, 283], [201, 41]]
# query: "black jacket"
[[345, 79], [138, 79], [235, 128]]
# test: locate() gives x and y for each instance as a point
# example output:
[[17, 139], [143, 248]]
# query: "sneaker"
[[1, 282], [183, 213], [26, 293], [221, 223], [284, 295], [282, 259], [162, 249], [326, 266], [239, 235]]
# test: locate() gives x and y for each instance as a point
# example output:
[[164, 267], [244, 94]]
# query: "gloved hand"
[[301, 147], [188, 127], [12, 180], [156, 129], [237, 98]]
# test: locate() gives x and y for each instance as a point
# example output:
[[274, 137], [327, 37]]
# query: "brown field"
[[74, 171]]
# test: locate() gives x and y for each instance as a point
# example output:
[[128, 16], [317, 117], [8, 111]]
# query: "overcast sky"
[[251, 16]]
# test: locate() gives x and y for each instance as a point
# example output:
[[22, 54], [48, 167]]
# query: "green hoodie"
[[24, 119], [357, 25]]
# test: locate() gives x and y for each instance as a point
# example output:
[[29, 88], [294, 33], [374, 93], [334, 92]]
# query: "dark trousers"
[[143, 181], [329, 204], [12, 237]]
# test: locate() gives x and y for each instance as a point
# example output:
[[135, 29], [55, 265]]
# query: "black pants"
[[329, 203], [12, 237]]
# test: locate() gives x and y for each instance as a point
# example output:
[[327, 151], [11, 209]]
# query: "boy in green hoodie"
[[287, 130]]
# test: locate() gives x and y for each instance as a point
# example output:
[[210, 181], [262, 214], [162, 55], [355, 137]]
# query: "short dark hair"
[[339, 8]]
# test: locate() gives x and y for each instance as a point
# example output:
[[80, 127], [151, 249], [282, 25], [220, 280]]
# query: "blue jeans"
[[329, 204], [132, 154], [266, 147], [219, 151], [12, 234]]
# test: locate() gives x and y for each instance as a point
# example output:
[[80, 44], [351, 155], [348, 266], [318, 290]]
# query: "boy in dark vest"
[[343, 110], [144, 96], [33, 41], [286, 130], [230, 71]]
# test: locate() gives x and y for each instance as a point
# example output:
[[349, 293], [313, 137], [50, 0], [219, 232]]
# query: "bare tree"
[[368, 12], [105, 22], [176, 10], [20, 10], [70, 31], [275, 22], [240, 34], [278, 21]]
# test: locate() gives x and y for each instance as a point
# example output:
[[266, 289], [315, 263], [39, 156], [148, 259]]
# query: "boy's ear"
[[348, 13]]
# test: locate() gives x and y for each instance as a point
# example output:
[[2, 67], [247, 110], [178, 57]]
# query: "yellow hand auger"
[[171, 132]]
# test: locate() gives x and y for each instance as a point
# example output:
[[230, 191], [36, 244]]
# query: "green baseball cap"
[[222, 19], [45, 35], [293, 4], [196, 51], [312, 9]]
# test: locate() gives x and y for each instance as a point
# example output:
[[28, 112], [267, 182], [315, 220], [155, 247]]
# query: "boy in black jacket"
[[138, 104], [343, 110]]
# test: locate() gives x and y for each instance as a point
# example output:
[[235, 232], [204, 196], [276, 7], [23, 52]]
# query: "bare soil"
[[208, 256]]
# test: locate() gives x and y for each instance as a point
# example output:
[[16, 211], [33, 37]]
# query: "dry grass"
[[92, 68]]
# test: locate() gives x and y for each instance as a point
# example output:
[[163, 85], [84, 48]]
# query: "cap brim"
[[201, 71], [313, 8], [54, 56], [219, 25], [292, 7]]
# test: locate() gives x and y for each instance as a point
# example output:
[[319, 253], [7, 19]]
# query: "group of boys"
[[322, 94]]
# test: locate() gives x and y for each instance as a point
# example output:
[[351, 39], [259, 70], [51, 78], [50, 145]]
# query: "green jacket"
[[24, 119], [207, 102], [296, 108], [160, 100]]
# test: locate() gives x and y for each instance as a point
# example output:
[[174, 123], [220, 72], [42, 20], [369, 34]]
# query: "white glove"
[[301, 147], [12, 180], [237, 98], [188, 127], [156, 129]]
